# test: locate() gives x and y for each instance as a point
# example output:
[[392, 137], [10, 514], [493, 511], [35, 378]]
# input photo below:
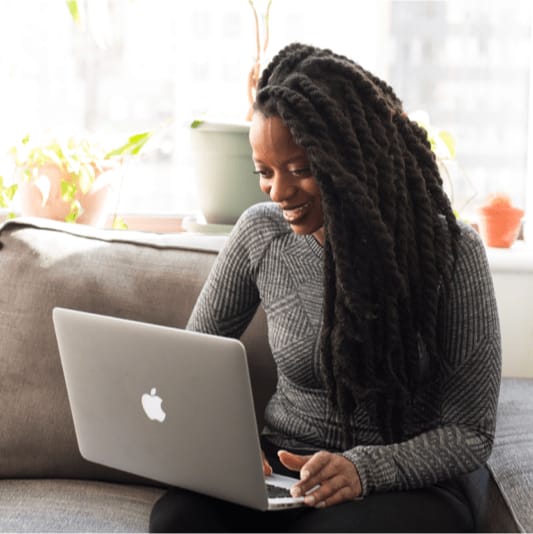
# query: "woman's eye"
[[302, 173], [262, 173]]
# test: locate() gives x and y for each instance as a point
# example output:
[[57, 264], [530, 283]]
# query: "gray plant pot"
[[224, 171]]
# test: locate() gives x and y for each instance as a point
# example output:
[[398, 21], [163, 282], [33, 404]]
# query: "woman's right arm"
[[229, 297]]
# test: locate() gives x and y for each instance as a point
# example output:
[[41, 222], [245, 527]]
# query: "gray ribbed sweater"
[[265, 262]]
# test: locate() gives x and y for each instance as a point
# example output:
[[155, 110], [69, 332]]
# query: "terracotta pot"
[[499, 225], [41, 196]]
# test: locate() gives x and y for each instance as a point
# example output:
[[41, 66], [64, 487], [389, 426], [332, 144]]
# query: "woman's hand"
[[337, 477], [267, 469]]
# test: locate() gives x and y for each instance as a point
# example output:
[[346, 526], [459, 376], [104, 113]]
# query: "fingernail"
[[321, 504], [304, 474], [296, 492], [310, 500]]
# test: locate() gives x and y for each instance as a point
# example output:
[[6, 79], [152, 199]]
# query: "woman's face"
[[285, 176]]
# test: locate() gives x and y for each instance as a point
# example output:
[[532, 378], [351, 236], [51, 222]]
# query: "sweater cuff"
[[375, 472], [362, 468]]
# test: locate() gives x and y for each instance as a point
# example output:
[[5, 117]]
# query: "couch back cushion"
[[147, 277]]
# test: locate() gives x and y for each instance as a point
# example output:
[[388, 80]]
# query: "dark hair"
[[390, 231]]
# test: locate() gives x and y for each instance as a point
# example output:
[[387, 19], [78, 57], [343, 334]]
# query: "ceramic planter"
[[223, 167]]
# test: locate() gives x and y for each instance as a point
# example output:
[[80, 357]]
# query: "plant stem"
[[257, 36], [253, 75], [267, 22]]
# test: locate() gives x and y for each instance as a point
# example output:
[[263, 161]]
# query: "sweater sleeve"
[[229, 297], [464, 439]]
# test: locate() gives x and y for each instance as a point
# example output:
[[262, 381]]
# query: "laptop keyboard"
[[276, 491]]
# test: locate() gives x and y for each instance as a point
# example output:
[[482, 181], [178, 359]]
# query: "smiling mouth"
[[292, 214]]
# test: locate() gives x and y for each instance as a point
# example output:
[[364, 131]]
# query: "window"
[[158, 64], [469, 65]]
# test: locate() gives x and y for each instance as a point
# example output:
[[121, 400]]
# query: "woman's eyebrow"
[[291, 159]]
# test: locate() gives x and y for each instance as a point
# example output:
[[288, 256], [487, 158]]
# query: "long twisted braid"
[[390, 231]]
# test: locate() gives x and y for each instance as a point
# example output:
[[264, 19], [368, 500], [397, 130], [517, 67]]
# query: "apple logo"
[[152, 406]]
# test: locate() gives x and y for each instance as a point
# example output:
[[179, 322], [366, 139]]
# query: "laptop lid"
[[167, 404]]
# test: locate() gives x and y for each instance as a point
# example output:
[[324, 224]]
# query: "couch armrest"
[[511, 461]]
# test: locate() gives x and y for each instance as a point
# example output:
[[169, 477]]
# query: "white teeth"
[[296, 212]]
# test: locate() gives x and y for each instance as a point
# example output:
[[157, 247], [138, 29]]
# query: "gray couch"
[[45, 485]]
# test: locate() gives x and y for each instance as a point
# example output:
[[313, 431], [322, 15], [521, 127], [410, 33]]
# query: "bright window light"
[[135, 65]]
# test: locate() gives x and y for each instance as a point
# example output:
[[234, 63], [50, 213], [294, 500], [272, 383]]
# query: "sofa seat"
[[62, 505]]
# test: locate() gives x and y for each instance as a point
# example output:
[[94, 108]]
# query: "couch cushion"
[[74, 506], [511, 461], [142, 276]]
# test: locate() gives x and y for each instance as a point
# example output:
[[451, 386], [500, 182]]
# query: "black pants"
[[439, 508]]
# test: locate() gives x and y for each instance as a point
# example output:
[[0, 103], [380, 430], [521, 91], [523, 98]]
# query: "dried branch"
[[267, 22], [253, 75], [257, 36]]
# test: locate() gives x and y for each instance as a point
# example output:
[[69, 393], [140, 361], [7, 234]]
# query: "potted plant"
[[499, 221], [67, 179], [443, 146], [222, 149]]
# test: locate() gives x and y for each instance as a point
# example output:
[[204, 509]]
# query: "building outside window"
[[136, 65]]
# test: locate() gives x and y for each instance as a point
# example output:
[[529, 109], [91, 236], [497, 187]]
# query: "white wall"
[[512, 272]]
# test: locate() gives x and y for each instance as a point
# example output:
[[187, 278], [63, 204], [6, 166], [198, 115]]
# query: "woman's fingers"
[[292, 461], [325, 478], [267, 469]]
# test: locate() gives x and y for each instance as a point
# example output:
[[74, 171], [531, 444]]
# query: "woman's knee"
[[181, 510], [427, 510]]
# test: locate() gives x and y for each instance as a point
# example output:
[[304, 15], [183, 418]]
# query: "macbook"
[[166, 404]]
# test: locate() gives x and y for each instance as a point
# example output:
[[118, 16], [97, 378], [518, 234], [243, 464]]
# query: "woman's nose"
[[281, 188]]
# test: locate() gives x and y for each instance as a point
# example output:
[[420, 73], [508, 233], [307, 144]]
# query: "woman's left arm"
[[463, 440]]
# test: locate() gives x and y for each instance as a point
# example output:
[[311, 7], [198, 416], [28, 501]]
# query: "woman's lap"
[[440, 508], [434, 509]]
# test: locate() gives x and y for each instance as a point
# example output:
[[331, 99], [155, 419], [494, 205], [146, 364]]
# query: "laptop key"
[[277, 491]]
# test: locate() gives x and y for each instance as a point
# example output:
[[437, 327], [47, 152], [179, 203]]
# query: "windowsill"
[[161, 224], [518, 258]]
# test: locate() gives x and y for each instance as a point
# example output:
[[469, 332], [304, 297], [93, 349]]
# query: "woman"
[[380, 308]]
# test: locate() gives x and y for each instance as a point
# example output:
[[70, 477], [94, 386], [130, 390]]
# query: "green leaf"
[[132, 147], [119, 223], [75, 211], [7, 193], [196, 123], [74, 11], [86, 176], [51, 154], [11, 191], [449, 141], [68, 191]]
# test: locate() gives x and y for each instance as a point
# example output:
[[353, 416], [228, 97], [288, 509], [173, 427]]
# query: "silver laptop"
[[166, 404]]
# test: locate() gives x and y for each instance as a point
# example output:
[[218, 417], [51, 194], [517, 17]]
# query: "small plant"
[[443, 146], [498, 201], [80, 161]]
